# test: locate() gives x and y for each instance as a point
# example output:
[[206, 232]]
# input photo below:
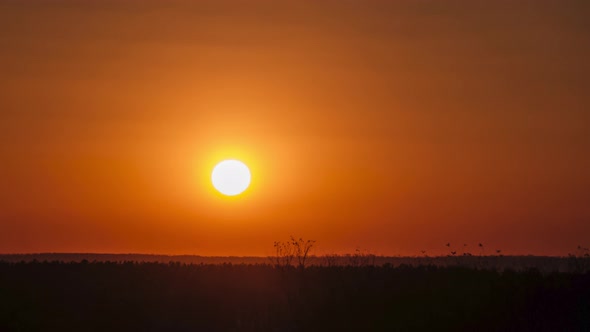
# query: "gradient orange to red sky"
[[389, 126]]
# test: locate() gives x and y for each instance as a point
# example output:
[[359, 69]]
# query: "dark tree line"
[[107, 296]]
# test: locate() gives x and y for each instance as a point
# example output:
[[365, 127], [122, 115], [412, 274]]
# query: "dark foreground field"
[[103, 296]]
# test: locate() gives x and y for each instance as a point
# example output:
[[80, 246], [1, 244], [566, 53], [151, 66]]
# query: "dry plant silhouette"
[[579, 261], [286, 251]]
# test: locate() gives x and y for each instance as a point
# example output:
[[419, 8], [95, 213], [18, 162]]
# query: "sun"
[[231, 177]]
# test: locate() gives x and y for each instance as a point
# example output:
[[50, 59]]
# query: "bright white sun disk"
[[231, 177]]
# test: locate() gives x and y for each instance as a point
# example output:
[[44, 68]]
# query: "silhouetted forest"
[[573, 263], [130, 296]]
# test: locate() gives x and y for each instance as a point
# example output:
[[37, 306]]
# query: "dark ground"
[[106, 296]]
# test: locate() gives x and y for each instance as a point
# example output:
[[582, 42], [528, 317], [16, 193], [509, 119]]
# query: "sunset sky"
[[388, 126]]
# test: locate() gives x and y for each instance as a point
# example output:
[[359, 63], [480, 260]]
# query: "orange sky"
[[389, 126]]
